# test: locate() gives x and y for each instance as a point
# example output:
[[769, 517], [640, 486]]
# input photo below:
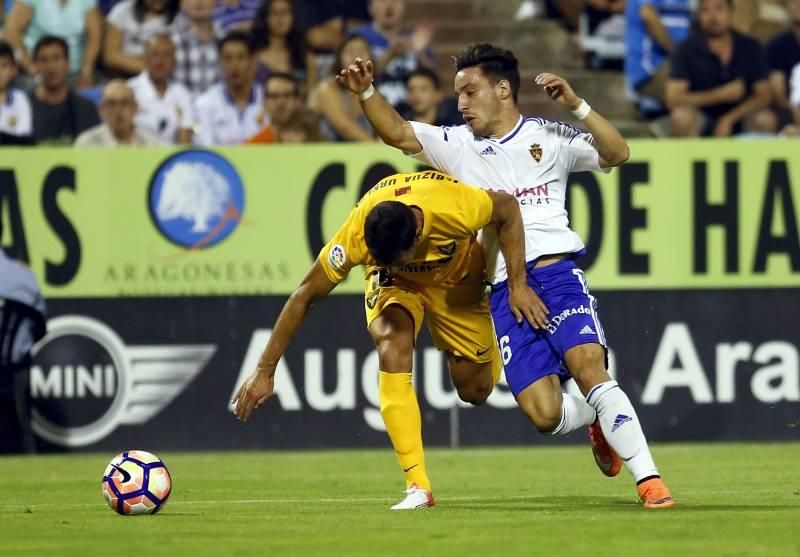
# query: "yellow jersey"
[[453, 214]]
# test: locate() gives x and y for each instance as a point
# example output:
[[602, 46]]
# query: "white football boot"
[[416, 498]]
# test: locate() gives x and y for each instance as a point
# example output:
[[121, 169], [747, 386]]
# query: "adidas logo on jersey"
[[488, 151], [587, 330]]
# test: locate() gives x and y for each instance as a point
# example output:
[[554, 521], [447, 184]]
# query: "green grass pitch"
[[733, 499]]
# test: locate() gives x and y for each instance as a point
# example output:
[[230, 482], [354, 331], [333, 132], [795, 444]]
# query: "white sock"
[[575, 414], [622, 429]]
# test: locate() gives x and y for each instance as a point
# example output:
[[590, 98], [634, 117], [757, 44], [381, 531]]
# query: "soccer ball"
[[136, 482]]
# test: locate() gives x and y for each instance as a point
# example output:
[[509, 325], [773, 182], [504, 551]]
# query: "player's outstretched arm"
[[391, 127], [523, 301], [259, 386], [609, 142]]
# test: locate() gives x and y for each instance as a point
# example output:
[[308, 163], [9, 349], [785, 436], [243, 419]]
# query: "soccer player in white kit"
[[530, 158]]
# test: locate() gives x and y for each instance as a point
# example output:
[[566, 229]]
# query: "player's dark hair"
[[7, 52], [389, 230], [236, 37], [427, 73], [170, 10], [495, 63], [50, 40]]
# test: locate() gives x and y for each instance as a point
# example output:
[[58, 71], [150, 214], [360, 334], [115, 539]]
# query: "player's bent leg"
[[473, 380], [550, 410], [393, 334], [542, 402], [618, 421]]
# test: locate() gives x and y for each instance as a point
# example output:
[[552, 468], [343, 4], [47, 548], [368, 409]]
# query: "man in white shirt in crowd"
[[165, 106], [15, 109], [530, 158], [118, 108], [232, 111]]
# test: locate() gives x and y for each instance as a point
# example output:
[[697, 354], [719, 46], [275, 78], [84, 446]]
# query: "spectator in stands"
[[235, 15], [342, 117], [301, 127], [718, 76], [78, 22], [398, 50], [327, 21], [18, 332], [426, 102], [653, 28], [129, 26], [232, 111], [118, 109], [195, 37], [59, 114], [280, 46], [15, 109], [783, 58], [282, 103], [165, 106], [762, 19]]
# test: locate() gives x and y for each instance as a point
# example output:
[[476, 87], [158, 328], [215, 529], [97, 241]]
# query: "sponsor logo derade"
[[85, 381]]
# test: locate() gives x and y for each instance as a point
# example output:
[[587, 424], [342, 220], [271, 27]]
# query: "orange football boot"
[[607, 460], [655, 495]]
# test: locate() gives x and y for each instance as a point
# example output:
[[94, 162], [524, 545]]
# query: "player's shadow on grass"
[[571, 503]]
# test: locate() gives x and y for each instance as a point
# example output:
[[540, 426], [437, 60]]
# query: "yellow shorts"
[[458, 316]]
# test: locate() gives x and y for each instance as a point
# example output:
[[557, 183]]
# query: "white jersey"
[[162, 116], [531, 163]]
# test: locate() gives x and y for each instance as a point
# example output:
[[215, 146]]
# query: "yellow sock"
[[401, 415]]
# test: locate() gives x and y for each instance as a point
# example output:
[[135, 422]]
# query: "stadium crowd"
[[228, 72]]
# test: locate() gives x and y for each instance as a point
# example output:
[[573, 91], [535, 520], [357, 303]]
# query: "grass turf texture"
[[734, 499]]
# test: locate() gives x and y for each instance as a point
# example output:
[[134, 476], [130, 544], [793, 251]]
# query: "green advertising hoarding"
[[248, 220]]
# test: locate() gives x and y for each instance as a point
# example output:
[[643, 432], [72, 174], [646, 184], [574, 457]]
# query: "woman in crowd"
[[78, 22], [280, 46], [130, 24], [342, 117]]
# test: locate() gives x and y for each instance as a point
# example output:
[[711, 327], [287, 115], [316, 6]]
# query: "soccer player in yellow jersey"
[[415, 235]]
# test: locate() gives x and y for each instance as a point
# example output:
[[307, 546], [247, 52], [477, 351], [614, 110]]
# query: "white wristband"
[[366, 94], [582, 111]]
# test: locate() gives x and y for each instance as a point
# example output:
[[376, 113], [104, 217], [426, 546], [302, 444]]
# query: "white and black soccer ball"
[[136, 482]]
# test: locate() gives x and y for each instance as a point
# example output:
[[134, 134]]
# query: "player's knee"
[[394, 348], [544, 419], [475, 393], [588, 366]]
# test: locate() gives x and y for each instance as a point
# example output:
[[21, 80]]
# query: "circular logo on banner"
[[196, 199]]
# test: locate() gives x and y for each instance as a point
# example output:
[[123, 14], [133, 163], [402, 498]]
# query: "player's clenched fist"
[[357, 77], [558, 89]]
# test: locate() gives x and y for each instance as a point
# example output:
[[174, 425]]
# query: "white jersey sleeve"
[[442, 146], [578, 152]]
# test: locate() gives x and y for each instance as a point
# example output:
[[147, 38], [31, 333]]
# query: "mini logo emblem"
[[536, 152], [587, 330], [488, 151]]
